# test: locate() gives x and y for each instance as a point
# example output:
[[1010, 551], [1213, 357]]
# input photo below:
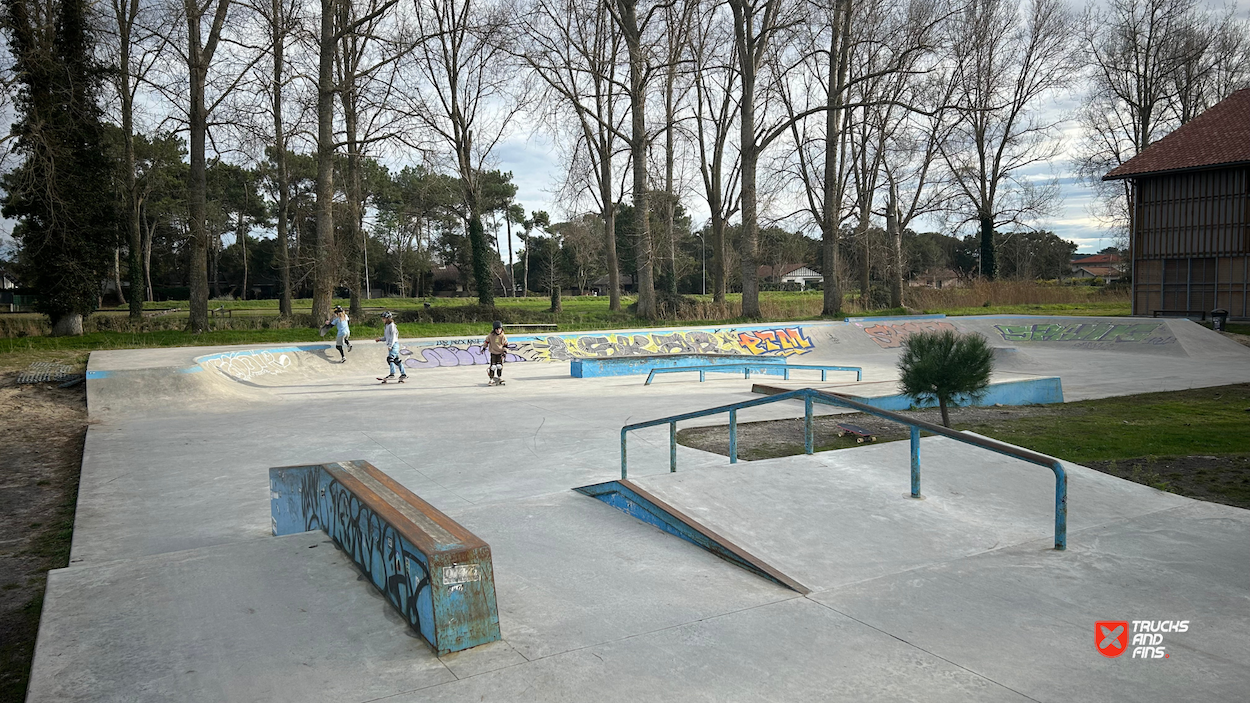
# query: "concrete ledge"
[[642, 365], [437, 574]]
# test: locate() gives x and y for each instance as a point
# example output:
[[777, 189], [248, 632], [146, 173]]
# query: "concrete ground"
[[177, 591]]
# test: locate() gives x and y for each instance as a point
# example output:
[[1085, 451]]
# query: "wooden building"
[[1190, 215]]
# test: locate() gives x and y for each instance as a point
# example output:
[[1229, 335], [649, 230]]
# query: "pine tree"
[[62, 194], [942, 365]]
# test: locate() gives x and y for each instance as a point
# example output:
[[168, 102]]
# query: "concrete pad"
[[279, 619], [794, 650], [1025, 618]]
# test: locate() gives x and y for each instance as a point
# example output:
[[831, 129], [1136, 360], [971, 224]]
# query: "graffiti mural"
[[245, 365], [1084, 333], [782, 342], [786, 341], [891, 336], [397, 568]]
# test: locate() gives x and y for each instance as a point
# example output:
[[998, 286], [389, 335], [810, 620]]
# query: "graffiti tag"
[[246, 365], [1085, 333], [778, 342], [892, 336]]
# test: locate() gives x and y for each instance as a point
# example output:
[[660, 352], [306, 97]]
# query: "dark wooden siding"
[[1191, 242]]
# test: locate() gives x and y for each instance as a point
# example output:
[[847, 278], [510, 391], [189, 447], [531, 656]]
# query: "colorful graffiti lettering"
[[773, 342], [892, 336], [777, 342], [246, 365], [444, 356], [1142, 332]]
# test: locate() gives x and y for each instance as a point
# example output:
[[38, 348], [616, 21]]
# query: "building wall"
[[1191, 242]]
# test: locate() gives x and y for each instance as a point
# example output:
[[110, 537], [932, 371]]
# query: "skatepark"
[[178, 588]]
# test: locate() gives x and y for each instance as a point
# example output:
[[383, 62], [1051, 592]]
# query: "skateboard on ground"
[[384, 379], [496, 382], [861, 435]]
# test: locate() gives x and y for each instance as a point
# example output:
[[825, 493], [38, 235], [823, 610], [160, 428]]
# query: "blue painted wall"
[[642, 365], [1031, 391]]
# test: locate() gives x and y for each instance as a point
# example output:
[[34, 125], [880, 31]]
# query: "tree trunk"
[[117, 276], [197, 184], [896, 249], [242, 237], [720, 262], [831, 202], [69, 325], [946, 418], [609, 235], [279, 131], [744, 34], [355, 196], [989, 255], [325, 267], [638, 154], [147, 265], [133, 233], [511, 277]]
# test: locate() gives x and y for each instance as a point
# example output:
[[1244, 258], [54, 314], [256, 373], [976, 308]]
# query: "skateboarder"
[[497, 344], [390, 335], [339, 322]]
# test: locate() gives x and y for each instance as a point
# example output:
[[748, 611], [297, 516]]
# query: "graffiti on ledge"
[[891, 336], [245, 365], [1084, 333], [779, 341]]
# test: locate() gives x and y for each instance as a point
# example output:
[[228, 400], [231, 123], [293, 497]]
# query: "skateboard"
[[861, 435], [496, 382], [384, 379]]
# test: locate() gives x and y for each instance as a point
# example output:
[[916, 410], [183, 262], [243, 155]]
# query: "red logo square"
[[1111, 637]]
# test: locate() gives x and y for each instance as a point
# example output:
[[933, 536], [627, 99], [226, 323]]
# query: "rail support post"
[[1061, 508], [672, 447], [807, 425], [915, 462], [623, 472], [733, 436]]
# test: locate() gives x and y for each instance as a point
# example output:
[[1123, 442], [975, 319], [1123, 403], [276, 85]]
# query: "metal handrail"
[[747, 366], [811, 396]]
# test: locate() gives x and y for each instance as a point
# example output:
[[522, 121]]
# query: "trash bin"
[[1219, 319]]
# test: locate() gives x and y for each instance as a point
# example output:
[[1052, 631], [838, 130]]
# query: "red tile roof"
[[1220, 136]]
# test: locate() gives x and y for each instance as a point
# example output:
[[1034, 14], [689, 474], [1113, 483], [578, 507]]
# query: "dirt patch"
[[766, 440], [1219, 479], [1239, 338], [40, 456]]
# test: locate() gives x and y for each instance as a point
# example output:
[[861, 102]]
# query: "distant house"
[[599, 286], [1189, 214], [1106, 273], [802, 274], [7, 282], [936, 278], [446, 280], [1112, 260]]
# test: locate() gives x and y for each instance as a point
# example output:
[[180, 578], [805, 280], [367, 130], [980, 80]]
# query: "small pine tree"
[[942, 365]]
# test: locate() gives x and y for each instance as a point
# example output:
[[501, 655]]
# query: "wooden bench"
[[535, 327], [221, 312], [1200, 314], [437, 574]]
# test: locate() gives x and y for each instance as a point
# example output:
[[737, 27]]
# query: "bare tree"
[[135, 56], [463, 92], [1007, 59], [1154, 64], [572, 45], [714, 72], [199, 58], [636, 33]]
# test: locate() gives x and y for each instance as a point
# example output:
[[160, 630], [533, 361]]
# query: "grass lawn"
[[257, 322]]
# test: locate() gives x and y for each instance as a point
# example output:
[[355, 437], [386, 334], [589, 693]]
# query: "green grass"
[[1180, 423]]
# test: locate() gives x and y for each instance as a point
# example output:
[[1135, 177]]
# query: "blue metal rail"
[[811, 396], [747, 367]]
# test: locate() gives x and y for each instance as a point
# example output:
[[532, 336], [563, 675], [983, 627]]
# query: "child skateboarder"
[[497, 344], [339, 322], [390, 335]]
